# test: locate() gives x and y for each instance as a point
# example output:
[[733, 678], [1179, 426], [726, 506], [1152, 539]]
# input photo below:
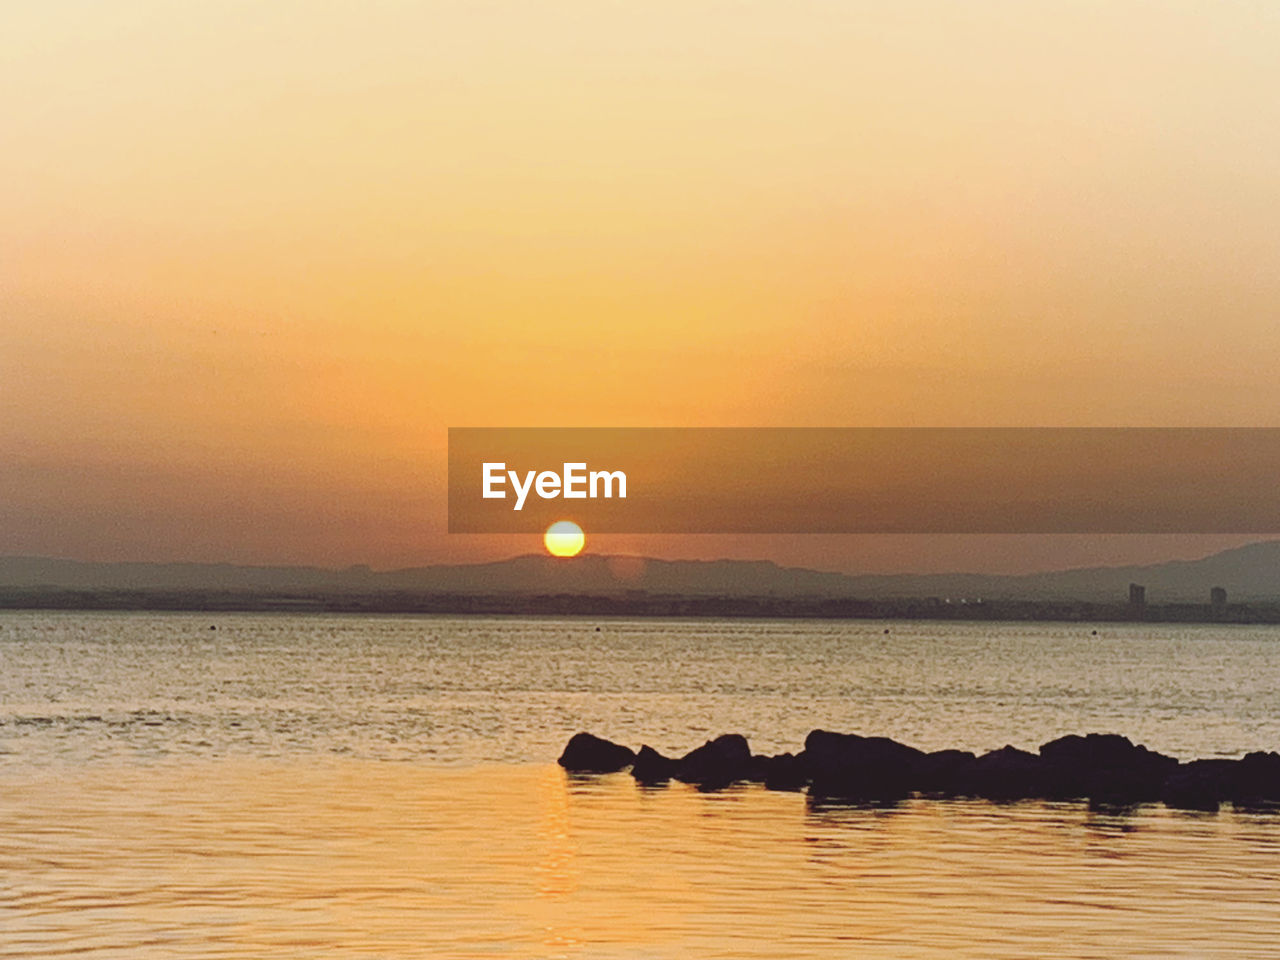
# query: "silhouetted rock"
[[652, 767], [850, 766], [1200, 784], [586, 753], [717, 763], [945, 773], [1257, 780], [1108, 770], [823, 748], [1008, 774], [781, 772], [1094, 749], [1104, 767], [1204, 784]]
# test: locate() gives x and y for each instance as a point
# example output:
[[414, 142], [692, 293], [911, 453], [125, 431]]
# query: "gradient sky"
[[256, 258]]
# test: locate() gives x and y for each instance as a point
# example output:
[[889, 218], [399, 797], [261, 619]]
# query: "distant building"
[[1137, 594], [1218, 596]]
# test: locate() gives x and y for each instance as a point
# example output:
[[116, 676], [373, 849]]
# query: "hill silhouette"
[[1251, 572]]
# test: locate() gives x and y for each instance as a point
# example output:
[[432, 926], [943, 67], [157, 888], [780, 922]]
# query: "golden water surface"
[[354, 858]]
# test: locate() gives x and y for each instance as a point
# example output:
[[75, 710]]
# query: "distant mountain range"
[[1248, 573]]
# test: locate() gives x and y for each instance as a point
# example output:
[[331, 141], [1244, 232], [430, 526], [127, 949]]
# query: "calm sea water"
[[307, 786]]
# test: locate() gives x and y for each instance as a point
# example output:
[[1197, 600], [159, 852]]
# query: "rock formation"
[[1099, 767]]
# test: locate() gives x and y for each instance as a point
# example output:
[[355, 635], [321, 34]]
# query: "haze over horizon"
[[262, 257], [1253, 560]]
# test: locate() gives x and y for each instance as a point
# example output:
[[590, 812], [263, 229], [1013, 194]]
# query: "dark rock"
[[652, 767], [822, 748], [1008, 774], [1108, 770], [853, 767], [1105, 767], [1200, 784], [781, 772], [717, 763], [944, 772], [1094, 749], [586, 753], [1257, 780]]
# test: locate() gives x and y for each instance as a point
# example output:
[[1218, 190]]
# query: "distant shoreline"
[[643, 605]]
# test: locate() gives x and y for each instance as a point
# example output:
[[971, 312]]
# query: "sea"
[[267, 786]]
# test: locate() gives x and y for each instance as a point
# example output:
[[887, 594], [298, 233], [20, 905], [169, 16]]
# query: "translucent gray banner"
[[866, 480]]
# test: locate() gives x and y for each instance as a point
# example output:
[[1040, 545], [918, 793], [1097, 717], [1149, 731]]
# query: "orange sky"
[[256, 258]]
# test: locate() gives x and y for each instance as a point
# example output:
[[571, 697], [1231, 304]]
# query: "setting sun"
[[564, 538]]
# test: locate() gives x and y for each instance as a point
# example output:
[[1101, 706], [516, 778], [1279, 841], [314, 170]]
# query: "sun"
[[564, 538]]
